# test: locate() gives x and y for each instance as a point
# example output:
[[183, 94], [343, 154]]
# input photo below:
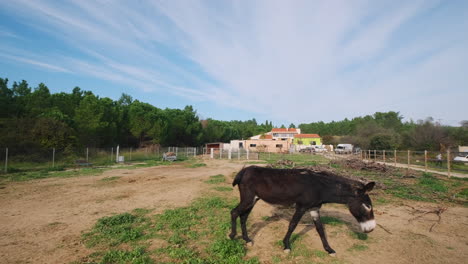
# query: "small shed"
[[216, 146]]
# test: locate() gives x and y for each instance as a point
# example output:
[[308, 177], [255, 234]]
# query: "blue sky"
[[283, 61]]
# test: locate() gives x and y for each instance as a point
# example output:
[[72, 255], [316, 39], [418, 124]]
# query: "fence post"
[[448, 163], [408, 158], [112, 153], [425, 160], [370, 158], [247, 154], [130, 153], [375, 155], [87, 154], [220, 153], [6, 160], [384, 160], [211, 153], [53, 158], [117, 154], [229, 154], [394, 156]]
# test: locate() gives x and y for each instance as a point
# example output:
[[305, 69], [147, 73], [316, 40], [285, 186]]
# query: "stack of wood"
[[358, 164], [282, 164]]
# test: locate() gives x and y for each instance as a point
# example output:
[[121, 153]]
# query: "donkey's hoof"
[[332, 254], [287, 251], [249, 244]]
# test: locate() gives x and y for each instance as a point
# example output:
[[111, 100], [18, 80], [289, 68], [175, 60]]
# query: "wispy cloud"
[[299, 61]]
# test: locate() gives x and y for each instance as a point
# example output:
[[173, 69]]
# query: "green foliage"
[[433, 183], [116, 229], [192, 234], [358, 247], [34, 121], [333, 221], [216, 179], [136, 256]]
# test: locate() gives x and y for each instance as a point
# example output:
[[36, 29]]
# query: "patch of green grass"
[[216, 179], [359, 236], [432, 183], [381, 201], [358, 247], [32, 175], [223, 188], [333, 221], [115, 230], [462, 194], [136, 256], [108, 179], [196, 165]]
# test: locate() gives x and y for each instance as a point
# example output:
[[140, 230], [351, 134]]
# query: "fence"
[[426, 160], [239, 154], [17, 161]]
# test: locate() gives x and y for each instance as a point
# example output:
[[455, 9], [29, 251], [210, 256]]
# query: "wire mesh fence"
[[52, 159], [428, 160]]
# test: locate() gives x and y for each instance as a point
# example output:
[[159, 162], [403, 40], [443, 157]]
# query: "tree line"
[[33, 119], [388, 131]]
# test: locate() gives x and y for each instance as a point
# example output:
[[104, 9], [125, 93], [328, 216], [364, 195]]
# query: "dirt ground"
[[41, 221]]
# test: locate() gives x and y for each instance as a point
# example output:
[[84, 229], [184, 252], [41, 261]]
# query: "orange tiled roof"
[[283, 130], [307, 136]]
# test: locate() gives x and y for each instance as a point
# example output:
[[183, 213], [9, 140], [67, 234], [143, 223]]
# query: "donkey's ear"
[[369, 187]]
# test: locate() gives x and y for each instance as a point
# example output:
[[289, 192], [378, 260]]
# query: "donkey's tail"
[[239, 176]]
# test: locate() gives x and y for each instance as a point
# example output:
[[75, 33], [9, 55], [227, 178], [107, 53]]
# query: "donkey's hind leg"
[[243, 219], [242, 210]]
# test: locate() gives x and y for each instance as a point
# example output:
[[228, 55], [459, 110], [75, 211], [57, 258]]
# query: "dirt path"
[[41, 221]]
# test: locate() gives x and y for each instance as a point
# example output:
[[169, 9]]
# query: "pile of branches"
[[283, 164], [358, 164]]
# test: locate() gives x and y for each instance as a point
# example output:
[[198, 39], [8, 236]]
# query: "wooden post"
[[130, 153], [384, 156], [425, 160], [53, 157], [394, 156], [369, 157], [6, 160], [448, 163], [87, 154], [408, 159], [211, 153], [112, 153], [375, 155]]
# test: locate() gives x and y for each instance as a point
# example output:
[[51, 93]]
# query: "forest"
[[34, 119]]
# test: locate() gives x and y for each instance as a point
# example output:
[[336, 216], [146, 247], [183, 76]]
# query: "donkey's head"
[[360, 206]]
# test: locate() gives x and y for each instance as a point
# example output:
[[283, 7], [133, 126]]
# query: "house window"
[[279, 145], [241, 145], [313, 143], [253, 145]]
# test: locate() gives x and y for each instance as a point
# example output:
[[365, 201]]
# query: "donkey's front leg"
[[321, 230], [292, 225]]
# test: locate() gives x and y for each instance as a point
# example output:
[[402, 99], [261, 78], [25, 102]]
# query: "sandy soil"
[[41, 221]]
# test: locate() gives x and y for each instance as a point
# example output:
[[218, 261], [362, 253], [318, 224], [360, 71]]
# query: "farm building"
[[267, 145], [307, 139], [277, 140]]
